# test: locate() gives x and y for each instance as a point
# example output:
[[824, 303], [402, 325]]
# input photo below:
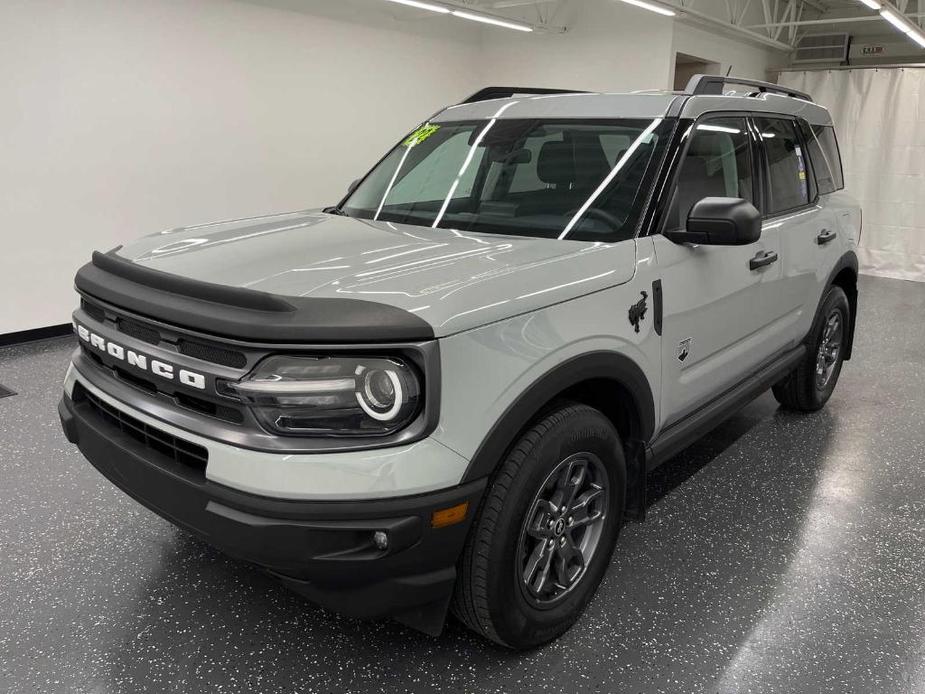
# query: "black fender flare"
[[849, 261], [611, 366]]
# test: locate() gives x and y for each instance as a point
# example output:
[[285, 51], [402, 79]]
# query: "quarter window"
[[788, 185], [718, 163], [823, 153]]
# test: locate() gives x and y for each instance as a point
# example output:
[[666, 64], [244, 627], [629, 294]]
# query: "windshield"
[[576, 179]]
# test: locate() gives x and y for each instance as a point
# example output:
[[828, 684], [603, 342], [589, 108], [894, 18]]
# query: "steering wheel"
[[601, 214]]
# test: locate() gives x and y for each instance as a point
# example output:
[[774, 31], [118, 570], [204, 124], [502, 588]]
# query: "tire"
[[491, 596], [805, 389]]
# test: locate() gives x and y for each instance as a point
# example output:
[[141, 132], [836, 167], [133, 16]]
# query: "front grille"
[[152, 335], [139, 331], [212, 353], [176, 449], [190, 402], [130, 378], [94, 311], [212, 409]]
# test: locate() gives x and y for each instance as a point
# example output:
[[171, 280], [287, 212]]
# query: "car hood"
[[453, 280]]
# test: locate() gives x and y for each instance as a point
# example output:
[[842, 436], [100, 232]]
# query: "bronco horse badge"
[[638, 311]]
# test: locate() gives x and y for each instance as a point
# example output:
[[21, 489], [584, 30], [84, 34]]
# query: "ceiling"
[[790, 19], [777, 24]]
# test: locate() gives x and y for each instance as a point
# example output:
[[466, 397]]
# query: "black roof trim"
[[504, 92], [244, 314], [713, 85]]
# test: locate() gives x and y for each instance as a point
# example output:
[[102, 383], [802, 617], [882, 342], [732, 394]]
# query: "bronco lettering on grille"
[[140, 361]]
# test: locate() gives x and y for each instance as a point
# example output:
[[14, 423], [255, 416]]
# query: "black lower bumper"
[[322, 549]]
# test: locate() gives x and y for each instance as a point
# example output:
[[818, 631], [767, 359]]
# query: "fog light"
[[381, 539]]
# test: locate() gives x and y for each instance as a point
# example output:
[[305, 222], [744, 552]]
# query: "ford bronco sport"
[[445, 392]]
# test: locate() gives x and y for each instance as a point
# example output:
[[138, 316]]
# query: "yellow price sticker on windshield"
[[421, 134]]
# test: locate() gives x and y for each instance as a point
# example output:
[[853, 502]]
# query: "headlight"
[[331, 396]]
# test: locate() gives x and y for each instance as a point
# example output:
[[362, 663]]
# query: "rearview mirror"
[[720, 222], [353, 186]]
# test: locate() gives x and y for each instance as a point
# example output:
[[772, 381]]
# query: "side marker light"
[[449, 516]]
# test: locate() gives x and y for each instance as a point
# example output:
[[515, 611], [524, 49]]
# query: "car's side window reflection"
[[718, 163]]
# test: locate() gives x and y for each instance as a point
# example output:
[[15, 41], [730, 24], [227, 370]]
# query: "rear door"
[[795, 209], [722, 313]]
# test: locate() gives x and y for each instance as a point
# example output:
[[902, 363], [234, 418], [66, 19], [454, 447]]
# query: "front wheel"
[[808, 387], [545, 531]]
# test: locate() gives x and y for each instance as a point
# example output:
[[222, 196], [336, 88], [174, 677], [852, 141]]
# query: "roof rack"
[[505, 92], [713, 85]]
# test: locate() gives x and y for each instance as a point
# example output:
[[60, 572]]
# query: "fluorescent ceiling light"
[[917, 37], [652, 7], [896, 21], [422, 6], [905, 27], [485, 19], [872, 4]]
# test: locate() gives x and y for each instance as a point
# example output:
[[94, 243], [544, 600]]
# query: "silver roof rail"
[[505, 92], [714, 84]]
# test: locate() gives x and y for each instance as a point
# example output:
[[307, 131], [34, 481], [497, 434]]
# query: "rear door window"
[[788, 181]]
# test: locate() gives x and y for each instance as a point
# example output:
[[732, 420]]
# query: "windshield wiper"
[[335, 211]]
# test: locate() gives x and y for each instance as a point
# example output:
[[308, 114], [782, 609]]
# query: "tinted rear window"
[[823, 152], [787, 180]]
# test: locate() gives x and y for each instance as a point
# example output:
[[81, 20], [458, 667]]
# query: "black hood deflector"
[[244, 314]]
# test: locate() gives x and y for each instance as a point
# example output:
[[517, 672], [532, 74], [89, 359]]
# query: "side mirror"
[[353, 186], [720, 222]]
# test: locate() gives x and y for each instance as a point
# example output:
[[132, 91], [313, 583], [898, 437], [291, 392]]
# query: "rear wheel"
[[809, 386], [545, 531]]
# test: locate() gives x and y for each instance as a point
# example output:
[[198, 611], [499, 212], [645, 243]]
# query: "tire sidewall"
[[516, 621], [835, 299]]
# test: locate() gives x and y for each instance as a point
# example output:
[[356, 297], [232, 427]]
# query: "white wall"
[[610, 46], [120, 118], [123, 118], [745, 59], [884, 167]]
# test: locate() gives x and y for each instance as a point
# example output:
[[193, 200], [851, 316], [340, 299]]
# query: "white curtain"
[[879, 116]]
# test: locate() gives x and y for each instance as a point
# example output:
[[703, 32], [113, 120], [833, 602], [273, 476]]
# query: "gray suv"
[[446, 391]]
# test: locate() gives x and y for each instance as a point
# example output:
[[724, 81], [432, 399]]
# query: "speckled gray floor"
[[782, 554]]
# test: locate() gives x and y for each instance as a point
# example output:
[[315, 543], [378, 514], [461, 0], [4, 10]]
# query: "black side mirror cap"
[[720, 222]]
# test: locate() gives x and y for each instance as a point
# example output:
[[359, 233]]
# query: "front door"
[[722, 311]]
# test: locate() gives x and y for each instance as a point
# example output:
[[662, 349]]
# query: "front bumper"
[[322, 549]]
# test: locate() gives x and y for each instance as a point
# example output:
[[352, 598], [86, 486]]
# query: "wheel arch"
[[608, 381], [845, 275]]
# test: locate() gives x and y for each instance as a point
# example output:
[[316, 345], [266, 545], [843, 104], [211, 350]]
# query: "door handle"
[[825, 236], [761, 259]]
